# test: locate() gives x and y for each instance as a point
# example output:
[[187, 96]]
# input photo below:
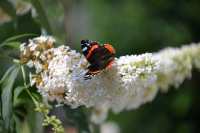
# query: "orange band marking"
[[110, 64], [91, 50], [110, 48]]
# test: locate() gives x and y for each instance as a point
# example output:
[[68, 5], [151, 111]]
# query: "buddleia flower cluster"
[[176, 65], [131, 81], [109, 127]]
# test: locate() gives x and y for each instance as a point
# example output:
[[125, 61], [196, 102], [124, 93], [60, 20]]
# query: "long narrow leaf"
[[12, 45], [7, 74], [6, 96], [16, 94], [14, 38], [22, 126]]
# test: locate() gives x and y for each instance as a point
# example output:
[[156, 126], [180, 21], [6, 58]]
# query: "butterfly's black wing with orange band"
[[99, 57]]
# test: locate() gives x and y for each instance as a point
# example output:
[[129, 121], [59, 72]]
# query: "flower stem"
[[27, 86]]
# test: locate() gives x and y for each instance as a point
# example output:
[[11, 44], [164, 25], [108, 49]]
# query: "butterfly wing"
[[96, 63], [109, 48], [99, 57]]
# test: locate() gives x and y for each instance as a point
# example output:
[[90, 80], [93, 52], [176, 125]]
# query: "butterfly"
[[99, 56]]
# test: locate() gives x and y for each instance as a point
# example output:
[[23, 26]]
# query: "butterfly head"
[[86, 45]]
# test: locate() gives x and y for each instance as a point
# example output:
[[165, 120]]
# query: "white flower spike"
[[132, 81]]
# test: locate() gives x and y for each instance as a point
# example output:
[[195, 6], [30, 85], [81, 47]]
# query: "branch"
[[132, 81]]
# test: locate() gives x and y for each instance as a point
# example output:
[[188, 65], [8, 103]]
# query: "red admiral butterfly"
[[99, 57]]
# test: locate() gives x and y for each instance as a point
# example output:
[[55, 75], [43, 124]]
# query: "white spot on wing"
[[84, 49]]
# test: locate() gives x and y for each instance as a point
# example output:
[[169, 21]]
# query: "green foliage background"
[[133, 27]]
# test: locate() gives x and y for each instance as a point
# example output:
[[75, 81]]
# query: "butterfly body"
[[99, 57]]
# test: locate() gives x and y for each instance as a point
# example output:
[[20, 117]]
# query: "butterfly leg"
[[91, 72]]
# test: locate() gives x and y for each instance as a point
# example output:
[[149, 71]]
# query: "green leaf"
[[14, 38], [6, 96], [7, 73], [22, 126], [17, 92], [35, 120], [13, 45], [78, 118]]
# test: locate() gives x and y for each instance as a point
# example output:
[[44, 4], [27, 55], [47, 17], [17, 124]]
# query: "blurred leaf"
[[7, 73], [183, 127], [7, 29], [42, 15], [22, 126], [6, 96], [8, 8], [17, 92], [11, 40], [13, 45], [35, 120], [24, 112], [78, 119], [181, 103], [25, 25]]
